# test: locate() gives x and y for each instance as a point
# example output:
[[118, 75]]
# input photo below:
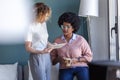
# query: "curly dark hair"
[[71, 18]]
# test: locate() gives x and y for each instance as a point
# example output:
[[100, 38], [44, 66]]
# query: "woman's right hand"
[[47, 50]]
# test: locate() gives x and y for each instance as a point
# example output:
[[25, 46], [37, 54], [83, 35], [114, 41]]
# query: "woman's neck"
[[68, 37], [39, 20]]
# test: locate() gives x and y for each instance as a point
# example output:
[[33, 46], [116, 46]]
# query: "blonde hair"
[[41, 10]]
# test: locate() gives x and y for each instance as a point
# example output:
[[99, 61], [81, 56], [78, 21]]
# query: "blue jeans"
[[82, 73]]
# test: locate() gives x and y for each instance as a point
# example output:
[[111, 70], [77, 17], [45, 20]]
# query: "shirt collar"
[[73, 37]]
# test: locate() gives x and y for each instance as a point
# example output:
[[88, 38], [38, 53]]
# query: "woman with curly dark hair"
[[74, 56]]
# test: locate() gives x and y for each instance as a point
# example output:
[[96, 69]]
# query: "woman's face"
[[67, 28], [43, 18], [46, 17]]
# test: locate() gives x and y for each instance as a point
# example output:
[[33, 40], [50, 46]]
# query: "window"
[[114, 30]]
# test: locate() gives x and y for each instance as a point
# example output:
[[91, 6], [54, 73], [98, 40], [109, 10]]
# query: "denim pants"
[[82, 73]]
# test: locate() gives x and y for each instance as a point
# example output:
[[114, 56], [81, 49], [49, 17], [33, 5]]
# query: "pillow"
[[8, 71], [30, 74]]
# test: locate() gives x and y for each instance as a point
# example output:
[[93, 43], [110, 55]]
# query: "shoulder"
[[81, 38], [32, 25], [44, 23]]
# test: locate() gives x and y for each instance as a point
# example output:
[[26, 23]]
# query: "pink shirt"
[[77, 47]]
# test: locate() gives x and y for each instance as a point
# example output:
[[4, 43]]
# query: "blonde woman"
[[37, 41]]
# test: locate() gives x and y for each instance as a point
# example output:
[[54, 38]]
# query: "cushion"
[[25, 72], [8, 71], [20, 73], [30, 74]]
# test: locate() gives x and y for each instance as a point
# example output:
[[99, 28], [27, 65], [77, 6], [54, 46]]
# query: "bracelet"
[[79, 59]]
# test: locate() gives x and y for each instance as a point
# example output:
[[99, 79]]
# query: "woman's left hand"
[[74, 60], [70, 61]]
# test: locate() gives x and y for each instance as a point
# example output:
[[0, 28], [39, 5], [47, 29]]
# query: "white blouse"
[[38, 35]]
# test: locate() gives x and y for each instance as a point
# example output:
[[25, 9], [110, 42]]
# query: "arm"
[[54, 57], [29, 49], [87, 54]]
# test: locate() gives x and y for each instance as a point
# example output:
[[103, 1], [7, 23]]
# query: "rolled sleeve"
[[87, 53]]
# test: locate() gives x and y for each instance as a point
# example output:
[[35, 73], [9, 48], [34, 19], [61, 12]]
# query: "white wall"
[[99, 33]]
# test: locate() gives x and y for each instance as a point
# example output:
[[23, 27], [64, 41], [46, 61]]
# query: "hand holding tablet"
[[56, 46]]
